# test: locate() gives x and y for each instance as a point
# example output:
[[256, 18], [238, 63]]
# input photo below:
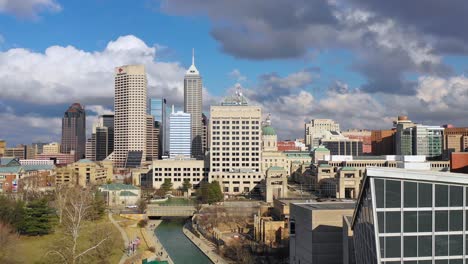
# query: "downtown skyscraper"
[[74, 131], [130, 105], [193, 104]]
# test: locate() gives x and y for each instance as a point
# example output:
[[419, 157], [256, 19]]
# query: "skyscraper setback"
[[74, 131], [193, 105], [130, 105]]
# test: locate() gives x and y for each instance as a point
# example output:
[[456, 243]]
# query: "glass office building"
[[159, 110], [180, 135], [408, 216]]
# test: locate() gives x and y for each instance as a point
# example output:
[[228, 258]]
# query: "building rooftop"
[[12, 169], [420, 175], [118, 187], [327, 205], [347, 168], [85, 161], [38, 167], [268, 131], [276, 168], [321, 149], [127, 193], [5, 161]]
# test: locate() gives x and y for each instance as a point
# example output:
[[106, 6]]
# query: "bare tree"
[[61, 194], [75, 212]]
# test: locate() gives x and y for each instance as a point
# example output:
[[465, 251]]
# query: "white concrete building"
[[315, 129], [235, 136], [51, 148], [178, 170], [130, 105]]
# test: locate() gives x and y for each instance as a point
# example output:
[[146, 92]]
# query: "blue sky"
[[358, 62]]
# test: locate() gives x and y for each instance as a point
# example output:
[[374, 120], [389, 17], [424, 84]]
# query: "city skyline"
[[420, 72]]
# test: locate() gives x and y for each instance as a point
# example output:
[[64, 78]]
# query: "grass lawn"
[[33, 249]]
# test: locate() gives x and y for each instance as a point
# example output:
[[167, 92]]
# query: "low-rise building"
[[276, 184], [58, 158], [84, 173], [268, 231], [178, 170], [316, 231], [120, 194]]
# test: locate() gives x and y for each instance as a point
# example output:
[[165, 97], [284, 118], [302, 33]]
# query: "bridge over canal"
[[155, 210]]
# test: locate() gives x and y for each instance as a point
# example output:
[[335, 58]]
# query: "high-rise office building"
[[180, 134], [428, 141], [74, 131], [409, 216], [315, 129], [205, 134], [108, 122], [152, 136], [158, 109], [193, 104], [235, 138], [403, 136], [99, 146], [130, 105]]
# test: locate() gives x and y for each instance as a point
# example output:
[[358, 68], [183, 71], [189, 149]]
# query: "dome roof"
[[268, 131]]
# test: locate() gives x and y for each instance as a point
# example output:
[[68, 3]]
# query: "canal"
[[177, 245]]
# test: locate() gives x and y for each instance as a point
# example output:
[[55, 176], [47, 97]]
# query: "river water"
[[177, 245]]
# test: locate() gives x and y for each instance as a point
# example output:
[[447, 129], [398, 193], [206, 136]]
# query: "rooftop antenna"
[[193, 56]]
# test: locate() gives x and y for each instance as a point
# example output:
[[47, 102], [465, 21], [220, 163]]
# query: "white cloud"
[[28, 8], [67, 74], [28, 128], [236, 75]]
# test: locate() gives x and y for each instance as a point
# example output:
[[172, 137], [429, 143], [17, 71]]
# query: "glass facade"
[[416, 222], [159, 110]]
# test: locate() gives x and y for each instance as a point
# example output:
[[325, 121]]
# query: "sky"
[[359, 62]]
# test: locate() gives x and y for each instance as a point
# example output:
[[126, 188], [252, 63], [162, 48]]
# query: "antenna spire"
[[193, 56]]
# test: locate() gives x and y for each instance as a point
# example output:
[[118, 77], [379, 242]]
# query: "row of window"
[[244, 122], [407, 194]]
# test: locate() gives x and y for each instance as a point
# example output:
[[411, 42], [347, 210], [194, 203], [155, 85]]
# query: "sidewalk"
[[124, 236], [205, 246], [155, 241]]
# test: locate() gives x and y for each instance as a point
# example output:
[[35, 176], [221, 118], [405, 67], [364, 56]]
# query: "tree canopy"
[[210, 192]]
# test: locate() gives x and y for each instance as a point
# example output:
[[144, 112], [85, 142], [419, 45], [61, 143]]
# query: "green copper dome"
[[268, 131]]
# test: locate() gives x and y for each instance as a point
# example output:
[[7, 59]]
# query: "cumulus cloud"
[[67, 74], [28, 8], [436, 101], [390, 40], [237, 75]]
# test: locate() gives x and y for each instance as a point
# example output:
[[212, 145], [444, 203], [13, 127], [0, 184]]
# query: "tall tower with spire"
[[193, 104]]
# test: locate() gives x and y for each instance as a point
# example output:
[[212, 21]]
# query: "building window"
[[441, 195]]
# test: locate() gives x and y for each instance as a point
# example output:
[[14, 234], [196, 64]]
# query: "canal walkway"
[[204, 245], [161, 252]]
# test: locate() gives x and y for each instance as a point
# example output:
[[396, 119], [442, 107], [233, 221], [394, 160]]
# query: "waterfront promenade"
[[205, 246], [161, 252]]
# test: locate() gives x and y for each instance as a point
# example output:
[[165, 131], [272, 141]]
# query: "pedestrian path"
[[124, 236], [205, 246]]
